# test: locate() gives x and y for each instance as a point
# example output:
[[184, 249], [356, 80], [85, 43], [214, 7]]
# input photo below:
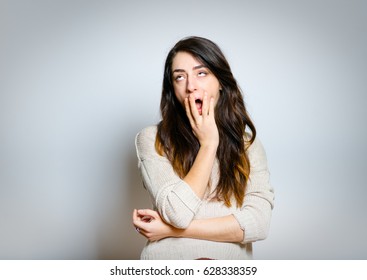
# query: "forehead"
[[184, 60]]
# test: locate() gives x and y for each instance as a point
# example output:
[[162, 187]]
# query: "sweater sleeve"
[[255, 214], [172, 197]]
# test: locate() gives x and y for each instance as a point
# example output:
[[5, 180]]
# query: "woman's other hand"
[[150, 224]]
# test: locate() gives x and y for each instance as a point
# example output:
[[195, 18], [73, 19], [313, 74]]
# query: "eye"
[[179, 78], [202, 74]]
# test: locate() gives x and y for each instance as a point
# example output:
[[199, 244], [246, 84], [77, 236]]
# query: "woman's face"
[[190, 77]]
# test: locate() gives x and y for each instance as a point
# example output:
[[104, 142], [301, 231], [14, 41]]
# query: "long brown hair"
[[175, 138]]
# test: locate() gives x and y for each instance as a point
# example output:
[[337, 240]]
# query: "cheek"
[[215, 93], [179, 95], [214, 87], [216, 99]]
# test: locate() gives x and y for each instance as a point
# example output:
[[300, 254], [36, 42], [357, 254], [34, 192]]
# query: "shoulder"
[[145, 142], [147, 133], [256, 153]]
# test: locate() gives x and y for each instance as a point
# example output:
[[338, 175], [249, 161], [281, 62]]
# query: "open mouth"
[[199, 104]]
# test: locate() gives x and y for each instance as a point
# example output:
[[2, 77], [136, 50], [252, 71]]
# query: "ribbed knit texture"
[[178, 204]]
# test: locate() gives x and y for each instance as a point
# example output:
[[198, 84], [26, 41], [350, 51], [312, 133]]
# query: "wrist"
[[210, 146], [177, 232]]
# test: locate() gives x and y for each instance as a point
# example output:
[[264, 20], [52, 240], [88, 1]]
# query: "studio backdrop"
[[79, 79]]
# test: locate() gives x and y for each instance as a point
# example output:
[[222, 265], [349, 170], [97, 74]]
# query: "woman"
[[204, 168]]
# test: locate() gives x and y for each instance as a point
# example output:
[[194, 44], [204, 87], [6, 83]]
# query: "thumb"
[[148, 212]]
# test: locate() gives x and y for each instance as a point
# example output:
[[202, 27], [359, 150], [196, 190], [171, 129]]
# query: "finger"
[[188, 112], [138, 219], [142, 226], [147, 235], [205, 107], [141, 231], [145, 212], [211, 107], [135, 215], [148, 212], [194, 110]]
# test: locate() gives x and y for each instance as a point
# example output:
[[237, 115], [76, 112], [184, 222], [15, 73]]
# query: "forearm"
[[221, 229], [206, 131], [198, 176]]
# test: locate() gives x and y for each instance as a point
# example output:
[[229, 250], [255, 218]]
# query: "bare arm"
[[221, 229], [205, 130]]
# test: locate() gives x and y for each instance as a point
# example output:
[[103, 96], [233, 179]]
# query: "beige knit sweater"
[[178, 204]]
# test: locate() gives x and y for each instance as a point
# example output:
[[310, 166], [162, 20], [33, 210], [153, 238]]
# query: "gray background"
[[78, 80]]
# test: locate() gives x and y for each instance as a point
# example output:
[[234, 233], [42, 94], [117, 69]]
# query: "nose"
[[191, 85]]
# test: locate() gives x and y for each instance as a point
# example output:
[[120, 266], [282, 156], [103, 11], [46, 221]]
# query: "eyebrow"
[[194, 68]]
